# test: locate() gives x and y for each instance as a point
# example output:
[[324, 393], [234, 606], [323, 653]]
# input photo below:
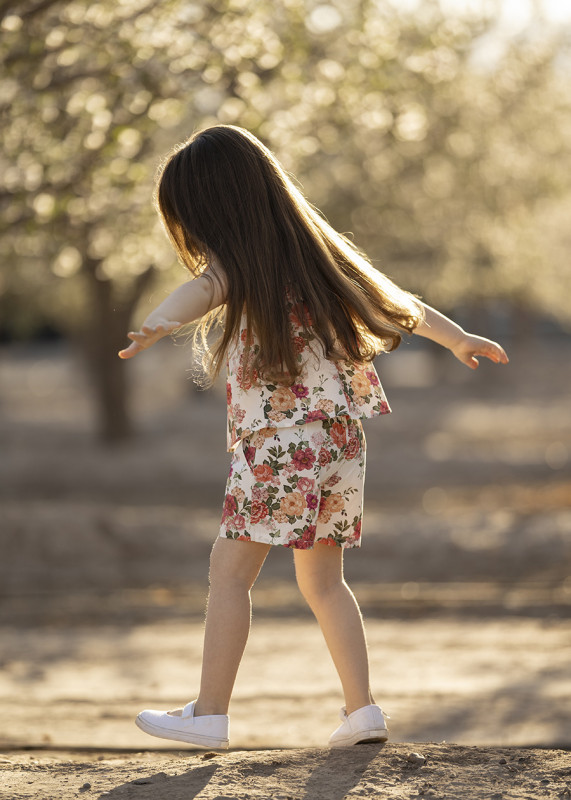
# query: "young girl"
[[302, 314]]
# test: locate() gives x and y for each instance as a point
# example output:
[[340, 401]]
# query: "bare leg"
[[234, 567], [319, 575]]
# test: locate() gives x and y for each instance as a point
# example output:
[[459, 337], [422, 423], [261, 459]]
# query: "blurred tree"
[[449, 175], [88, 91]]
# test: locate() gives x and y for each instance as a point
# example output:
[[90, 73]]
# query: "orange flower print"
[[243, 380], [326, 405], [283, 399], [338, 433], [360, 385], [299, 344], [263, 473], [335, 502], [293, 504]]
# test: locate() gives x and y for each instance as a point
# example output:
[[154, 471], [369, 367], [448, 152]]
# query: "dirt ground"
[[463, 577], [395, 771]]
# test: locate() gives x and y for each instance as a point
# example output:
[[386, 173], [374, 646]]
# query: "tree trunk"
[[105, 335]]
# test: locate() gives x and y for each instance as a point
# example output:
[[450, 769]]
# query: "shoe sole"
[[180, 736], [363, 737]]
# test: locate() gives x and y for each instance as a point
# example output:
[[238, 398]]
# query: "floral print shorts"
[[298, 486]]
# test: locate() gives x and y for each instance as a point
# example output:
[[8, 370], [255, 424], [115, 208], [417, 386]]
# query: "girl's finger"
[[130, 351]]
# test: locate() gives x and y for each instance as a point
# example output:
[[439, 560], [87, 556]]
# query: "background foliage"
[[449, 172]]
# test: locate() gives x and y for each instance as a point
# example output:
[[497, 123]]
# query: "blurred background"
[[437, 135]]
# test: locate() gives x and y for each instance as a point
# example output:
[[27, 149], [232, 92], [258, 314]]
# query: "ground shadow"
[[187, 785], [342, 770]]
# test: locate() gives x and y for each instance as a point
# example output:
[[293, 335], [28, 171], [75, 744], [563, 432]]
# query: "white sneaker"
[[366, 724], [182, 726]]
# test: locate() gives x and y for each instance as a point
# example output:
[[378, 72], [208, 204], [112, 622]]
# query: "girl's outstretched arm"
[[465, 346], [186, 304]]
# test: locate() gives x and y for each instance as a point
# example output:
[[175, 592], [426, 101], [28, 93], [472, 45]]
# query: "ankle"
[[209, 709], [355, 706]]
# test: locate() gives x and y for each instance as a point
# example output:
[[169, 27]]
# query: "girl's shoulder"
[[216, 275]]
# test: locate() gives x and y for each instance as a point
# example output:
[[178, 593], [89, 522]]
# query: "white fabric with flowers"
[[325, 390]]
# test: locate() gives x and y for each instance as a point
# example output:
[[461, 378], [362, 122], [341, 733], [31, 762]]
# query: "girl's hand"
[[469, 346], [147, 336]]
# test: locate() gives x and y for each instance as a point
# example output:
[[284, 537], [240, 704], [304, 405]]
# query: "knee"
[[318, 589], [235, 567]]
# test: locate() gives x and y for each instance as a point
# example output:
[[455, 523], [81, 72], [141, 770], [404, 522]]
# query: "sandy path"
[[451, 772]]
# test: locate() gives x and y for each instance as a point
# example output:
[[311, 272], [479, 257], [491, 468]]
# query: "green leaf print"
[[277, 452]]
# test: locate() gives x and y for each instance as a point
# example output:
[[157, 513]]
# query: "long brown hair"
[[223, 196]]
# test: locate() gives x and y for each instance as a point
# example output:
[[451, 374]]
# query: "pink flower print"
[[239, 522], [324, 457], [385, 407], [238, 494], [250, 454], [304, 542], [260, 493], [289, 470], [300, 390], [373, 378], [313, 416], [238, 413], [258, 512], [352, 449], [318, 439], [332, 480], [229, 394], [304, 458], [230, 506], [305, 484], [312, 501], [242, 380]]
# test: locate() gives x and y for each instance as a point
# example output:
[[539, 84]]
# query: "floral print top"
[[325, 389]]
